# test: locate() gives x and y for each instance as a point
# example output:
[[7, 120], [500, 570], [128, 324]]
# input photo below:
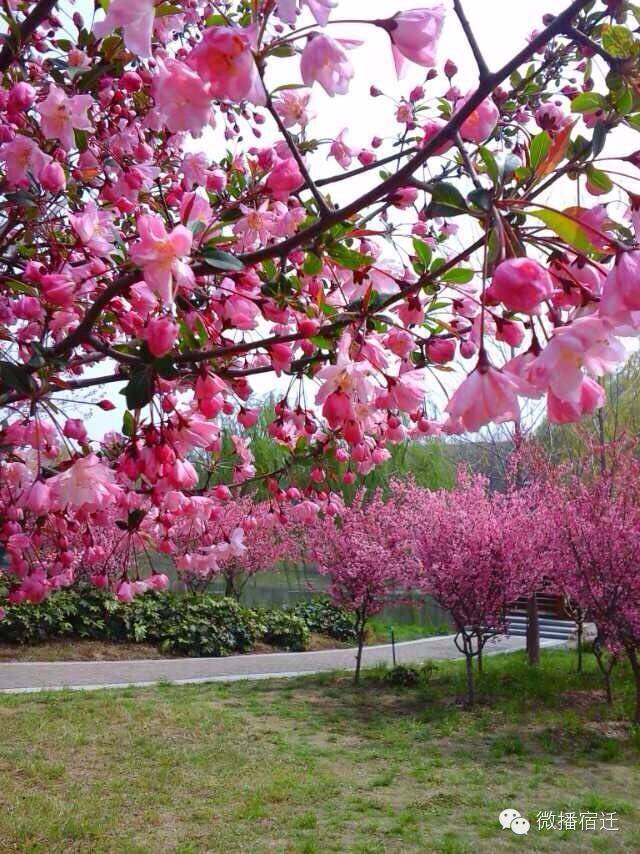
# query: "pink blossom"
[[38, 498], [181, 97], [550, 117], [482, 121], [521, 284], [161, 334], [486, 395], [589, 344], [621, 291], [94, 228], [591, 396], [158, 253], [292, 107], [52, 177], [225, 61], [342, 152], [22, 157], [325, 61], [87, 483], [135, 18], [414, 35], [61, 115], [284, 178], [441, 350], [321, 9]]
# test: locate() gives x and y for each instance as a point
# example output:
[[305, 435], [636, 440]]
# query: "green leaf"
[[128, 424], [15, 378], [481, 198], [588, 102], [619, 42], [567, 228], [599, 179], [423, 251], [491, 165], [223, 261], [20, 287], [539, 149], [624, 102], [167, 9], [312, 264], [458, 276], [348, 258], [447, 201], [139, 390]]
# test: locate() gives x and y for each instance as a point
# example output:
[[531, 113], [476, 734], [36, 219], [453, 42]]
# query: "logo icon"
[[512, 819]]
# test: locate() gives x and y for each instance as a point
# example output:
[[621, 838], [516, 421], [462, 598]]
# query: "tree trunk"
[[480, 648], [471, 696], [606, 668], [635, 667], [360, 627], [230, 588], [579, 644], [533, 632]]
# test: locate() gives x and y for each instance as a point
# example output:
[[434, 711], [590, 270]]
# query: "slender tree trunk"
[[471, 695], [360, 627], [480, 648], [635, 667], [533, 632], [607, 685], [579, 644], [606, 668]]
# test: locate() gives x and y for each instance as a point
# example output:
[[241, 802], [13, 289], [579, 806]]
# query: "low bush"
[[410, 675], [191, 624], [326, 619], [206, 625], [285, 630]]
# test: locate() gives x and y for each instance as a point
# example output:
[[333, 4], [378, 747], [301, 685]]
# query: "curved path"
[[17, 677]]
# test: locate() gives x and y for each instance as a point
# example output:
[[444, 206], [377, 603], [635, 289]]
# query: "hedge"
[[192, 624]]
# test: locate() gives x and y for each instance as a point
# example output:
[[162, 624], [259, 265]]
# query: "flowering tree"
[[366, 552], [594, 528], [466, 550], [135, 259], [240, 539]]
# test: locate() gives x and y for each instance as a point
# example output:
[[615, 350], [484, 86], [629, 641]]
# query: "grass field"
[[315, 765]]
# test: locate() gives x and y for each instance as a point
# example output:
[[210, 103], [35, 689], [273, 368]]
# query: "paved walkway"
[[86, 675]]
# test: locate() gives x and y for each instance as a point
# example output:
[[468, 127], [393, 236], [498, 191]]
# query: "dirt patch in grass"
[[90, 650], [79, 650]]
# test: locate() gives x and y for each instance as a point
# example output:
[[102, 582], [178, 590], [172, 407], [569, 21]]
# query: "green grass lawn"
[[379, 630], [314, 765]]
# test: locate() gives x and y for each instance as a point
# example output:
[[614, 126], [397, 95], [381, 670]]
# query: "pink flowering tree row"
[[169, 229]]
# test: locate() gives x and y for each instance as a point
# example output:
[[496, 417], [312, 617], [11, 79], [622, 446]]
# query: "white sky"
[[501, 27]]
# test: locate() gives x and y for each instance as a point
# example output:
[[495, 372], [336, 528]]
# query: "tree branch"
[[483, 68], [14, 44]]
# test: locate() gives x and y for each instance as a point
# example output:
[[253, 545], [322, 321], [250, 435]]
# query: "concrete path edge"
[[28, 677]]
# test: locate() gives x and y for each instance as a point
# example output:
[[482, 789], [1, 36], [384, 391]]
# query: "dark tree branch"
[[15, 42], [483, 68]]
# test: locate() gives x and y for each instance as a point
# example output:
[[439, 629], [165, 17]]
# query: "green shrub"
[[31, 624], [192, 624], [285, 630], [323, 617], [206, 625], [410, 675]]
